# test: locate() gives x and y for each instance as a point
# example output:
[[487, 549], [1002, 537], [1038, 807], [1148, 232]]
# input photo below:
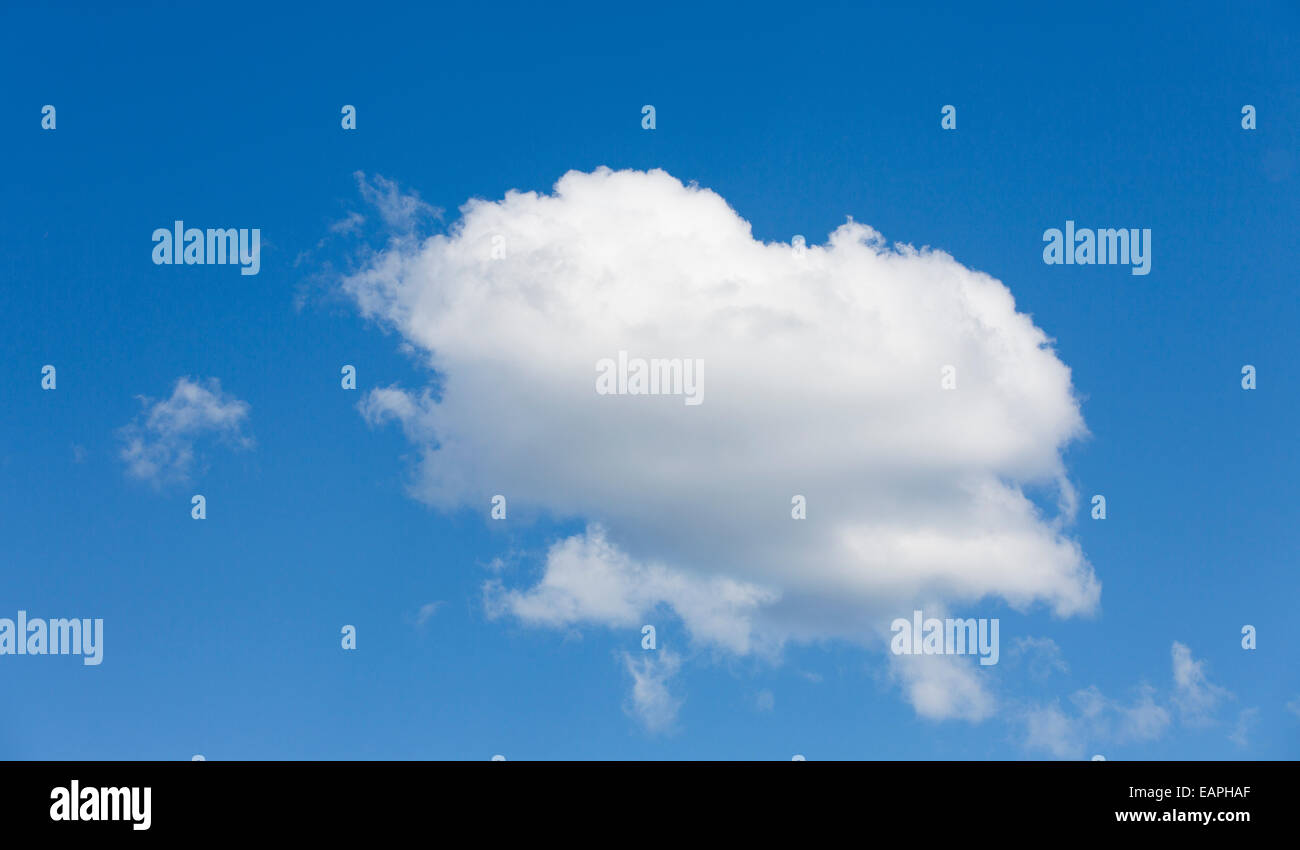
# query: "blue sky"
[[222, 636]]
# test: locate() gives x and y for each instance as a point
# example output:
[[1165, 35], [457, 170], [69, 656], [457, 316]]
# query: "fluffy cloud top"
[[159, 446], [823, 372]]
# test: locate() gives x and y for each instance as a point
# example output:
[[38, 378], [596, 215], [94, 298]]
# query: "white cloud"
[[943, 687], [1049, 729], [652, 703], [1194, 694], [1245, 720], [1095, 721], [1043, 654], [159, 445], [588, 579], [427, 611], [1099, 720], [823, 375], [1144, 720], [401, 211], [350, 223]]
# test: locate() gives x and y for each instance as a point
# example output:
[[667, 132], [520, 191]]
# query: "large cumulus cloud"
[[822, 378]]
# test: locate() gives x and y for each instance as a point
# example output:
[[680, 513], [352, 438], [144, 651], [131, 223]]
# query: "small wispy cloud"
[[1042, 656], [350, 223], [159, 446], [427, 611], [402, 212], [1097, 720], [1051, 730], [652, 703], [1245, 720], [1194, 694]]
